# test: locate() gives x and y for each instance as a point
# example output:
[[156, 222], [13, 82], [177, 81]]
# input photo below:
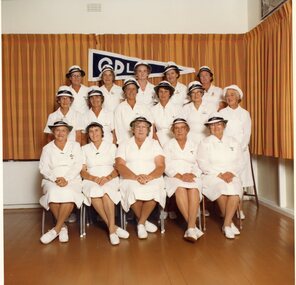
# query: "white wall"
[[254, 13], [125, 16]]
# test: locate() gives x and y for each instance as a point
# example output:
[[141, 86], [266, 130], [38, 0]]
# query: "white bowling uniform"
[[112, 98], [100, 162], [181, 161], [140, 161], [147, 96], [216, 156], [65, 163], [213, 96], [180, 95], [80, 102], [239, 127]]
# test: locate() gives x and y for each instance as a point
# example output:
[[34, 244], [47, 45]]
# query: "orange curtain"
[[34, 66]]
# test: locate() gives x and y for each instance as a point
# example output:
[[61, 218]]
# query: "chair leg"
[[203, 213], [43, 221], [82, 221], [254, 187], [122, 218], [161, 217]]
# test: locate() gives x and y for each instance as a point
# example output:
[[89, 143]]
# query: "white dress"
[[216, 156], [180, 95], [65, 163], [213, 96], [72, 118], [140, 161], [100, 163], [112, 98], [239, 127], [196, 120], [105, 118], [80, 103], [147, 96], [124, 114], [163, 118], [181, 161]]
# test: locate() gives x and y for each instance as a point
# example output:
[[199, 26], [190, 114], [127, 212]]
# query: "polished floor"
[[262, 254]]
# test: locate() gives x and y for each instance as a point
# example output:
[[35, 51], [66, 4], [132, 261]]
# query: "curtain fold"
[[34, 66]]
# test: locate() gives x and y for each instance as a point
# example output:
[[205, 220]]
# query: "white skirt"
[[93, 190], [132, 190], [172, 183], [214, 187], [56, 194]]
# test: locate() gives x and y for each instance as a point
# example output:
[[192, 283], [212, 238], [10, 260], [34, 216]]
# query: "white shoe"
[[198, 232], [228, 232], [121, 233], [242, 215], [49, 236], [150, 228], [72, 218], [234, 229], [114, 239], [63, 235], [172, 215], [142, 233], [190, 235]]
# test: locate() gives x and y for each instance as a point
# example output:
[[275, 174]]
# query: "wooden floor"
[[263, 254]]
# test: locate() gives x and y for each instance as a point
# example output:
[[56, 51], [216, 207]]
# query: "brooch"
[[71, 156], [231, 148]]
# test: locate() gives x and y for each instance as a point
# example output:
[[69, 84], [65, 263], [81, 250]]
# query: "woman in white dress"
[[197, 113], [101, 182], [171, 74], [220, 159], [112, 93], [146, 93], [239, 126], [75, 75], [97, 113], [65, 113], [129, 110], [140, 163], [183, 176], [212, 94], [164, 112], [60, 164]]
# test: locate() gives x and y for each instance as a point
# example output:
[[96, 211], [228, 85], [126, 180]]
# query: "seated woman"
[[183, 176], [60, 164], [101, 183], [140, 163], [220, 159]]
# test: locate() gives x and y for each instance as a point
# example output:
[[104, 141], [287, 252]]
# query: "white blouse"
[[112, 98], [80, 103], [213, 96], [147, 96], [180, 95]]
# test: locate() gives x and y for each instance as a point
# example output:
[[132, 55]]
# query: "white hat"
[[74, 68], [194, 85], [166, 85], [129, 81], [171, 66], [106, 67], [94, 91], [204, 68], [215, 118], [179, 120], [234, 87], [142, 63], [64, 90], [60, 124], [140, 119]]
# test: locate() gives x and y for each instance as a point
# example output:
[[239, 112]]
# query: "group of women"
[[142, 143]]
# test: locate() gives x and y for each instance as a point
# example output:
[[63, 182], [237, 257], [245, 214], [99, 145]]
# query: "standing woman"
[[239, 126], [196, 112], [65, 113], [97, 113], [213, 94], [75, 74], [60, 164], [128, 110], [112, 93], [183, 176], [146, 93], [164, 112], [171, 74], [220, 159], [101, 182], [140, 163]]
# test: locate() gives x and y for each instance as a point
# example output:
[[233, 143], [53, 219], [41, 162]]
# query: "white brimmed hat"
[[94, 91], [171, 66], [75, 68], [64, 90], [60, 124], [140, 119], [215, 118], [106, 67], [194, 85], [179, 121], [234, 87], [142, 63], [130, 81], [95, 124], [166, 85], [204, 68]]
